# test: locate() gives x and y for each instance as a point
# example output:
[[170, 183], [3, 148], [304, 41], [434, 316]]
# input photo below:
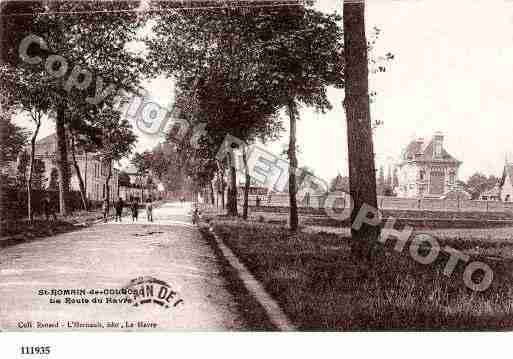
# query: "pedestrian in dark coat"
[[105, 209], [119, 209], [134, 208]]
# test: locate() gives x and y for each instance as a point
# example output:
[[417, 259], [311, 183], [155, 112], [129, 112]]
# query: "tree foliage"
[[12, 139], [478, 183], [90, 38]]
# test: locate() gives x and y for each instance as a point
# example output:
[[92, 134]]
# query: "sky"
[[452, 72]]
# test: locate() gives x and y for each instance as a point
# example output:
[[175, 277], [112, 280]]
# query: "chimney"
[[438, 142], [420, 141]]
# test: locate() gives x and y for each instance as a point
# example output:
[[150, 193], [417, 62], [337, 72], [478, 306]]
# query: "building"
[[141, 186], [427, 169], [506, 183], [493, 194], [94, 172]]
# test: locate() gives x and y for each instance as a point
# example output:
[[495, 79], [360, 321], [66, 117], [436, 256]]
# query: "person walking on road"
[[48, 208], [119, 209], [134, 208], [195, 214], [105, 209], [149, 209]]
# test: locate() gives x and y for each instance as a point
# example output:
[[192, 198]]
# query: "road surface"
[[109, 256]]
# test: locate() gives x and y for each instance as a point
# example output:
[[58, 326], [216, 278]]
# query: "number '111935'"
[[35, 350]]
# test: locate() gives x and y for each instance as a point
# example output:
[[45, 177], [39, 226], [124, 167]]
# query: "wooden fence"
[[393, 203]]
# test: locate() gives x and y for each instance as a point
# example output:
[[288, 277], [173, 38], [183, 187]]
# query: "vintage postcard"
[[244, 165]]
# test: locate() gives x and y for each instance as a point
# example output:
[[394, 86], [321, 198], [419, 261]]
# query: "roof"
[[457, 193], [418, 151], [508, 171], [494, 192], [48, 139], [130, 169]]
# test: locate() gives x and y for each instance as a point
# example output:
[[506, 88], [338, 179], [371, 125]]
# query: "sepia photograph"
[[255, 166]]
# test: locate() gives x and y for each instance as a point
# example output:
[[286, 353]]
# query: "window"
[[452, 177], [438, 150], [422, 175]]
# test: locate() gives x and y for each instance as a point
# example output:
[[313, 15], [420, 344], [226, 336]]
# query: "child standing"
[[149, 209]]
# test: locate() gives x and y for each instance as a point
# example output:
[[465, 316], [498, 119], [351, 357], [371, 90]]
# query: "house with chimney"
[[427, 169]]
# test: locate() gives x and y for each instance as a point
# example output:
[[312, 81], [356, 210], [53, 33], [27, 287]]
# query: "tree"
[[36, 116], [362, 175], [242, 66], [247, 184], [389, 181], [142, 162], [117, 140], [12, 139], [84, 35], [29, 96], [53, 185], [380, 184], [21, 170], [86, 136], [38, 178], [340, 183], [478, 183], [388, 189], [74, 139], [301, 72], [395, 181]]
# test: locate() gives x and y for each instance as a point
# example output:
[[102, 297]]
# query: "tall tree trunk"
[[212, 197], [223, 191], [362, 175], [107, 180], [294, 220], [79, 174], [247, 183], [62, 160], [232, 189], [31, 170], [85, 179], [223, 200], [220, 171]]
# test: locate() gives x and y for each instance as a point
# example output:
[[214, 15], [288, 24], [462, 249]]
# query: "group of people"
[[133, 205]]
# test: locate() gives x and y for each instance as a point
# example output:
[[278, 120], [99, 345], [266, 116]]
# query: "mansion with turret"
[[427, 169]]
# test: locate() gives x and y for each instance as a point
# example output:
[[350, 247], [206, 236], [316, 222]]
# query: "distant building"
[[493, 194], [94, 172], [506, 183], [141, 186], [427, 169]]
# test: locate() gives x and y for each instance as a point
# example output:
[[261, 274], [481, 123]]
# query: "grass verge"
[[252, 312], [320, 287], [17, 231]]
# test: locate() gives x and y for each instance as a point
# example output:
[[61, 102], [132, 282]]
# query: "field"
[[314, 278]]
